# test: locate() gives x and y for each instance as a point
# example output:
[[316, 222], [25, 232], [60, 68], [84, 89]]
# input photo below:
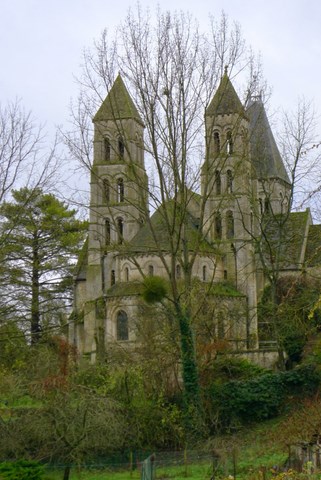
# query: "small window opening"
[[218, 225], [107, 232], [126, 274], [150, 270], [218, 183], [106, 149], [112, 277], [229, 142], [229, 181], [229, 224], [121, 148], [204, 273], [217, 142], [120, 228], [120, 190]]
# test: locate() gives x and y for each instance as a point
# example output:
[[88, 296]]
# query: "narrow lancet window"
[[204, 273], [106, 149], [120, 190], [120, 228], [229, 224], [229, 181], [121, 148], [229, 142], [217, 142], [107, 232], [218, 183], [122, 326], [218, 226]]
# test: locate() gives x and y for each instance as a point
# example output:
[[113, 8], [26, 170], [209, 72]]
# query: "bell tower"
[[118, 195], [119, 183], [229, 190]]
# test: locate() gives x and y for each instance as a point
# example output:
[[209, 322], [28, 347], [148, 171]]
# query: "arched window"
[[261, 205], [217, 142], [178, 272], [229, 142], [229, 224], [126, 274], [267, 206], [204, 273], [107, 232], [112, 277], [120, 230], [121, 147], [106, 191], [120, 190], [122, 326], [106, 149], [150, 270], [218, 183], [218, 225], [229, 181]]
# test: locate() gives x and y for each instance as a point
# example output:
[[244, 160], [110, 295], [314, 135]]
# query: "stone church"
[[243, 183]]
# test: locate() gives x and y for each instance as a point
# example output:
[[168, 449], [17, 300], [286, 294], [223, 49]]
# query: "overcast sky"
[[41, 43]]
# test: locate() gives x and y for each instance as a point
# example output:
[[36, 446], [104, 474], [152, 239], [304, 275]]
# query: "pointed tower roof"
[[118, 105], [266, 157], [225, 99]]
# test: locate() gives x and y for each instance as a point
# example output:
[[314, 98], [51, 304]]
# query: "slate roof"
[[154, 235], [313, 250], [225, 100], [118, 105], [265, 154], [125, 289], [286, 239]]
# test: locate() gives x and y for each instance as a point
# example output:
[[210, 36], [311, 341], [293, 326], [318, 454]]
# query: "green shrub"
[[155, 289], [240, 402], [21, 470]]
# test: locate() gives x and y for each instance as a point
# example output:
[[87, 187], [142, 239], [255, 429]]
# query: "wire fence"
[[131, 461]]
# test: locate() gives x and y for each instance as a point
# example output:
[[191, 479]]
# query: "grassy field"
[[249, 454]]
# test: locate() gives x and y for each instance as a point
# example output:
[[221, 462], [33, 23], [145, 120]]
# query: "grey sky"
[[41, 43]]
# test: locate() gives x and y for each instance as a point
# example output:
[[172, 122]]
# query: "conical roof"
[[118, 105], [225, 99], [265, 154]]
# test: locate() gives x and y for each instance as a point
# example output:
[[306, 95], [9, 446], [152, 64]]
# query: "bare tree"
[[172, 70], [25, 159]]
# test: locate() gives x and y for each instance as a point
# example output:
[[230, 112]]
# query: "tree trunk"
[[66, 472], [35, 313]]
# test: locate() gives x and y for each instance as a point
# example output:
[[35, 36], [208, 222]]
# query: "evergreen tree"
[[40, 240]]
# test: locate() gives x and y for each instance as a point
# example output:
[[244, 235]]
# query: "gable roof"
[[265, 154], [313, 250], [118, 105], [154, 235], [286, 239], [225, 100]]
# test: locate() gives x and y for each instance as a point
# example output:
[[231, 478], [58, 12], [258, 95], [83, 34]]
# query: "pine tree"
[[40, 240]]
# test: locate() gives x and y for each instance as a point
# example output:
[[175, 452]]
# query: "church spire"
[[225, 100], [118, 105]]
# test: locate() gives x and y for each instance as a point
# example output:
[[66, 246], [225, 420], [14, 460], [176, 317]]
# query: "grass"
[[247, 454]]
